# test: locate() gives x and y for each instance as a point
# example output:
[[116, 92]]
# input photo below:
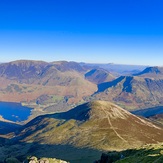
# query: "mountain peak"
[[150, 71], [94, 110], [107, 109]]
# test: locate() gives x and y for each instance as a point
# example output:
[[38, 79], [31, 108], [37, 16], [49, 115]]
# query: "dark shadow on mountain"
[[90, 73], [103, 86], [127, 87], [64, 152], [79, 113], [148, 112], [7, 127]]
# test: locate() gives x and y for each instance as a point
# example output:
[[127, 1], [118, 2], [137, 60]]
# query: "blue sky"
[[99, 31]]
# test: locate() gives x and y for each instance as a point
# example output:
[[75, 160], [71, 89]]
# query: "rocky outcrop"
[[34, 159]]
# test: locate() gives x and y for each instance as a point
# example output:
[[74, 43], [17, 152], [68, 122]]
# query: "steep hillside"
[[97, 125]]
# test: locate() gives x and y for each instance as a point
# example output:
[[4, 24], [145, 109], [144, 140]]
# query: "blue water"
[[149, 112], [14, 111]]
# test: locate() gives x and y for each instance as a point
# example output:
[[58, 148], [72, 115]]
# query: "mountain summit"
[[151, 72]]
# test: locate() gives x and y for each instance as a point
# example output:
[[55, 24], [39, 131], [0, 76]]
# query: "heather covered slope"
[[98, 125]]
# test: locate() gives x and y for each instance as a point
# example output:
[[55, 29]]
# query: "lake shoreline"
[[14, 112]]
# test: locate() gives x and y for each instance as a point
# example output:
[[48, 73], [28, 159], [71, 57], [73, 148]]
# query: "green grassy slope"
[[99, 125]]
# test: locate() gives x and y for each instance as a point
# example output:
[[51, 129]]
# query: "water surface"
[[149, 112], [14, 111]]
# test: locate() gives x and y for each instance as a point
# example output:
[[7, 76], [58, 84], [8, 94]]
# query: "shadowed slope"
[[98, 76], [7, 127], [103, 86]]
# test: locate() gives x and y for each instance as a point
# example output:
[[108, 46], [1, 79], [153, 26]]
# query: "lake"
[[149, 112], [14, 111]]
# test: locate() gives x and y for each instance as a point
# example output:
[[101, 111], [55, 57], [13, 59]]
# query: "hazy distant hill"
[[151, 72], [42, 73], [118, 69]]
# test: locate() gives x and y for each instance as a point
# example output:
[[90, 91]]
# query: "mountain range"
[[61, 85], [75, 118]]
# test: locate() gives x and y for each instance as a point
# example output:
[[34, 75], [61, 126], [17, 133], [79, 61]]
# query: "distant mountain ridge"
[[151, 72], [141, 90], [35, 70], [25, 80], [118, 69], [60, 85]]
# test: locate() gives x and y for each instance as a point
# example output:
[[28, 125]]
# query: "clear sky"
[[100, 31]]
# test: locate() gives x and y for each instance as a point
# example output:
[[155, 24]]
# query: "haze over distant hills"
[[118, 69], [61, 85]]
